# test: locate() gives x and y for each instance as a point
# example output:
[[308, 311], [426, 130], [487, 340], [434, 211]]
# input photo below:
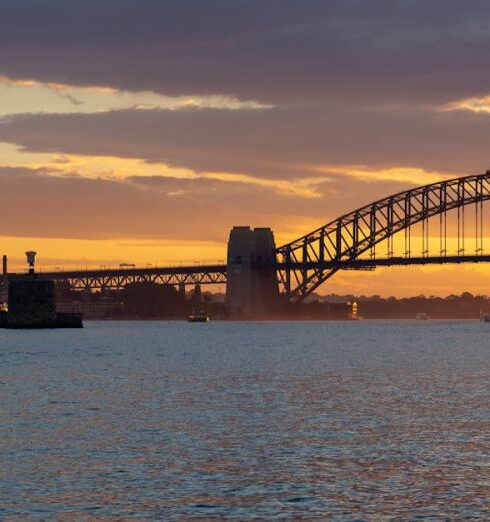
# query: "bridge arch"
[[310, 260]]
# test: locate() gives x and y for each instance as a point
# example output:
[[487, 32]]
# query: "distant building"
[[101, 309]]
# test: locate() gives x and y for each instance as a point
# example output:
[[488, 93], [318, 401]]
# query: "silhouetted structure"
[[32, 303], [251, 288]]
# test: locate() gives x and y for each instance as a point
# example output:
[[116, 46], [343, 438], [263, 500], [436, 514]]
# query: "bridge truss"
[[117, 279], [350, 241]]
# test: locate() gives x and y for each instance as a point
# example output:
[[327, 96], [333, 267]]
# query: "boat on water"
[[198, 317]]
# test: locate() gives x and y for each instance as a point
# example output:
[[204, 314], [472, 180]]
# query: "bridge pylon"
[[252, 288]]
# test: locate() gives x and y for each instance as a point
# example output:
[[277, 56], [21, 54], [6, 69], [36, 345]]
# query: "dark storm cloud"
[[275, 50]]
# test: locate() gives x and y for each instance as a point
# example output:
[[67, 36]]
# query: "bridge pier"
[[252, 288], [181, 290]]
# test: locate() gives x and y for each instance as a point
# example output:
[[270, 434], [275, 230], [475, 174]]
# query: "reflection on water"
[[346, 421]]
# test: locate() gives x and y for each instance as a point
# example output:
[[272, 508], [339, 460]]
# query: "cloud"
[[280, 51], [120, 168], [35, 97], [408, 175], [281, 143], [40, 203], [478, 104]]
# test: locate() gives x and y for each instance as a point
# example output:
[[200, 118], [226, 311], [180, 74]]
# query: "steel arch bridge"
[[347, 243], [305, 263]]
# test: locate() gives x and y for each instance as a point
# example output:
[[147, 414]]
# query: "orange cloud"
[[402, 174], [477, 104], [36, 97], [119, 168]]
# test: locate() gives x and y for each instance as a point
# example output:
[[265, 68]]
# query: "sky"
[[142, 131]]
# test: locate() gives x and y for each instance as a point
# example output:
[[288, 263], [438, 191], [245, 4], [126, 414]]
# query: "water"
[[169, 420]]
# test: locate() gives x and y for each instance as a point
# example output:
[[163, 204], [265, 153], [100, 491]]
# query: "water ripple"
[[366, 421]]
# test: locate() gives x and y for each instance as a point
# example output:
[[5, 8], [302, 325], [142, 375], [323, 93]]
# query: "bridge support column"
[[252, 288], [181, 287]]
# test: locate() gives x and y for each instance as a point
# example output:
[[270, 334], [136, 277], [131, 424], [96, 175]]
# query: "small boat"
[[198, 317], [422, 316]]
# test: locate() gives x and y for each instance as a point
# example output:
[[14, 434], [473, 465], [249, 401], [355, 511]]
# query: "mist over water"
[[170, 420]]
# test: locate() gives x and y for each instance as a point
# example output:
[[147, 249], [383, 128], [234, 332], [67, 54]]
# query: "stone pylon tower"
[[252, 289]]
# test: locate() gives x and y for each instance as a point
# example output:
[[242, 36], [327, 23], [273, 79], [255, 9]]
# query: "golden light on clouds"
[[35, 97], [303, 187], [117, 168], [477, 104], [409, 175], [121, 168]]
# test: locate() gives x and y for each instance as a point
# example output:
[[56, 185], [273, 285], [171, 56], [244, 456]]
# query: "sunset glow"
[[245, 254], [169, 144]]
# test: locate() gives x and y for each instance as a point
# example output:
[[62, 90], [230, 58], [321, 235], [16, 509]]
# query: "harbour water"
[[174, 421]]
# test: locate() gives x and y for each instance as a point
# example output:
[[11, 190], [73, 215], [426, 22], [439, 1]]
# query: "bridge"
[[343, 242], [117, 279], [258, 273]]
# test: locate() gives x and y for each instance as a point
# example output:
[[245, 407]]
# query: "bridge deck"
[[117, 279], [217, 274], [367, 264], [109, 272]]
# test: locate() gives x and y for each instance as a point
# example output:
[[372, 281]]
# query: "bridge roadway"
[[117, 279], [371, 264]]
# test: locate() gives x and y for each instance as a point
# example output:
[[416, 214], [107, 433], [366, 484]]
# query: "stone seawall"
[[32, 304]]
